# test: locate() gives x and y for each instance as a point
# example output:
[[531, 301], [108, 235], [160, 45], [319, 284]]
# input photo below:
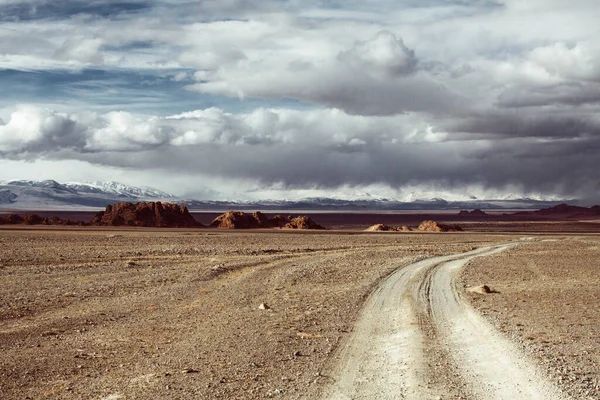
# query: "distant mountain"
[[562, 211], [332, 204], [52, 195], [119, 189]]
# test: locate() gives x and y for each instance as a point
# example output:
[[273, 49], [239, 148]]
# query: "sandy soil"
[[155, 314], [549, 304], [138, 314]]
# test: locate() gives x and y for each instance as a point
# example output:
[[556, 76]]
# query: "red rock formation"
[[432, 226], [302, 222], [240, 220], [279, 221], [11, 219], [261, 219], [33, 219], [380, 228], [387, 228], [151, 214], [257, 220]]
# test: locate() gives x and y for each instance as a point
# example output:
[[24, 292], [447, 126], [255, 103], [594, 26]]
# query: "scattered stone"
[[304, 335], [264, 306], [482, 289]]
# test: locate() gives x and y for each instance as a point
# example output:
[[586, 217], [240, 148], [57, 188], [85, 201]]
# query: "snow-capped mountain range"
[[49, 194], [118, 189], [52, 195]]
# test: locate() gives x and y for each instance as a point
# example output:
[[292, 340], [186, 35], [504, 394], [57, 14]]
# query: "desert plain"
[[142, 313]]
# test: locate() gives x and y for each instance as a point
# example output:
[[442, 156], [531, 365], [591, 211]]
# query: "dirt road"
[[417, 339], [145, 314]]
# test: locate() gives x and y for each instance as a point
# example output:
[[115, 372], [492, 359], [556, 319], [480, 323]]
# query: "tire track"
[[493, 366], [417, 339]]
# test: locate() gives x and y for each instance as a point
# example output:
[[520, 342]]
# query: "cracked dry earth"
[[138, 314]]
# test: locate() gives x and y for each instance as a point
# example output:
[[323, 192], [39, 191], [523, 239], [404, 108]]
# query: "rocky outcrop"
[[380, 228], [474, 213], [302, 222], [258, 220], [151, 214], [279, 221], [387, 228], [34, 219], [432, 226], [11, 219], [240, 220]]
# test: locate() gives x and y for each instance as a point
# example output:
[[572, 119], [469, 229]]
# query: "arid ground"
[[190, 314]]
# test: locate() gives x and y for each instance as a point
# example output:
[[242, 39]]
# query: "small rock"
[[264, 306], [483, 289], [190, 371]]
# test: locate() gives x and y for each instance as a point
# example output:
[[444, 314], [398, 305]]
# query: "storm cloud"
[[499, 95]]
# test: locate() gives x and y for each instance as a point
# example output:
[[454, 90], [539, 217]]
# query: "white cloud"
[[373, 77], [122, 131], [32, 129], [575, 62], [384, 55], [83, 50]]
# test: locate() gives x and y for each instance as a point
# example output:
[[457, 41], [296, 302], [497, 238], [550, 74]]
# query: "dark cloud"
[[523, 123], [564, 169], [252, 147], [568, 93]]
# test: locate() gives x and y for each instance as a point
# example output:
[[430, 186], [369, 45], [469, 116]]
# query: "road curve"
[[417, 339]]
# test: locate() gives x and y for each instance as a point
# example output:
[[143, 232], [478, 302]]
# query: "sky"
[[234, 99]]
